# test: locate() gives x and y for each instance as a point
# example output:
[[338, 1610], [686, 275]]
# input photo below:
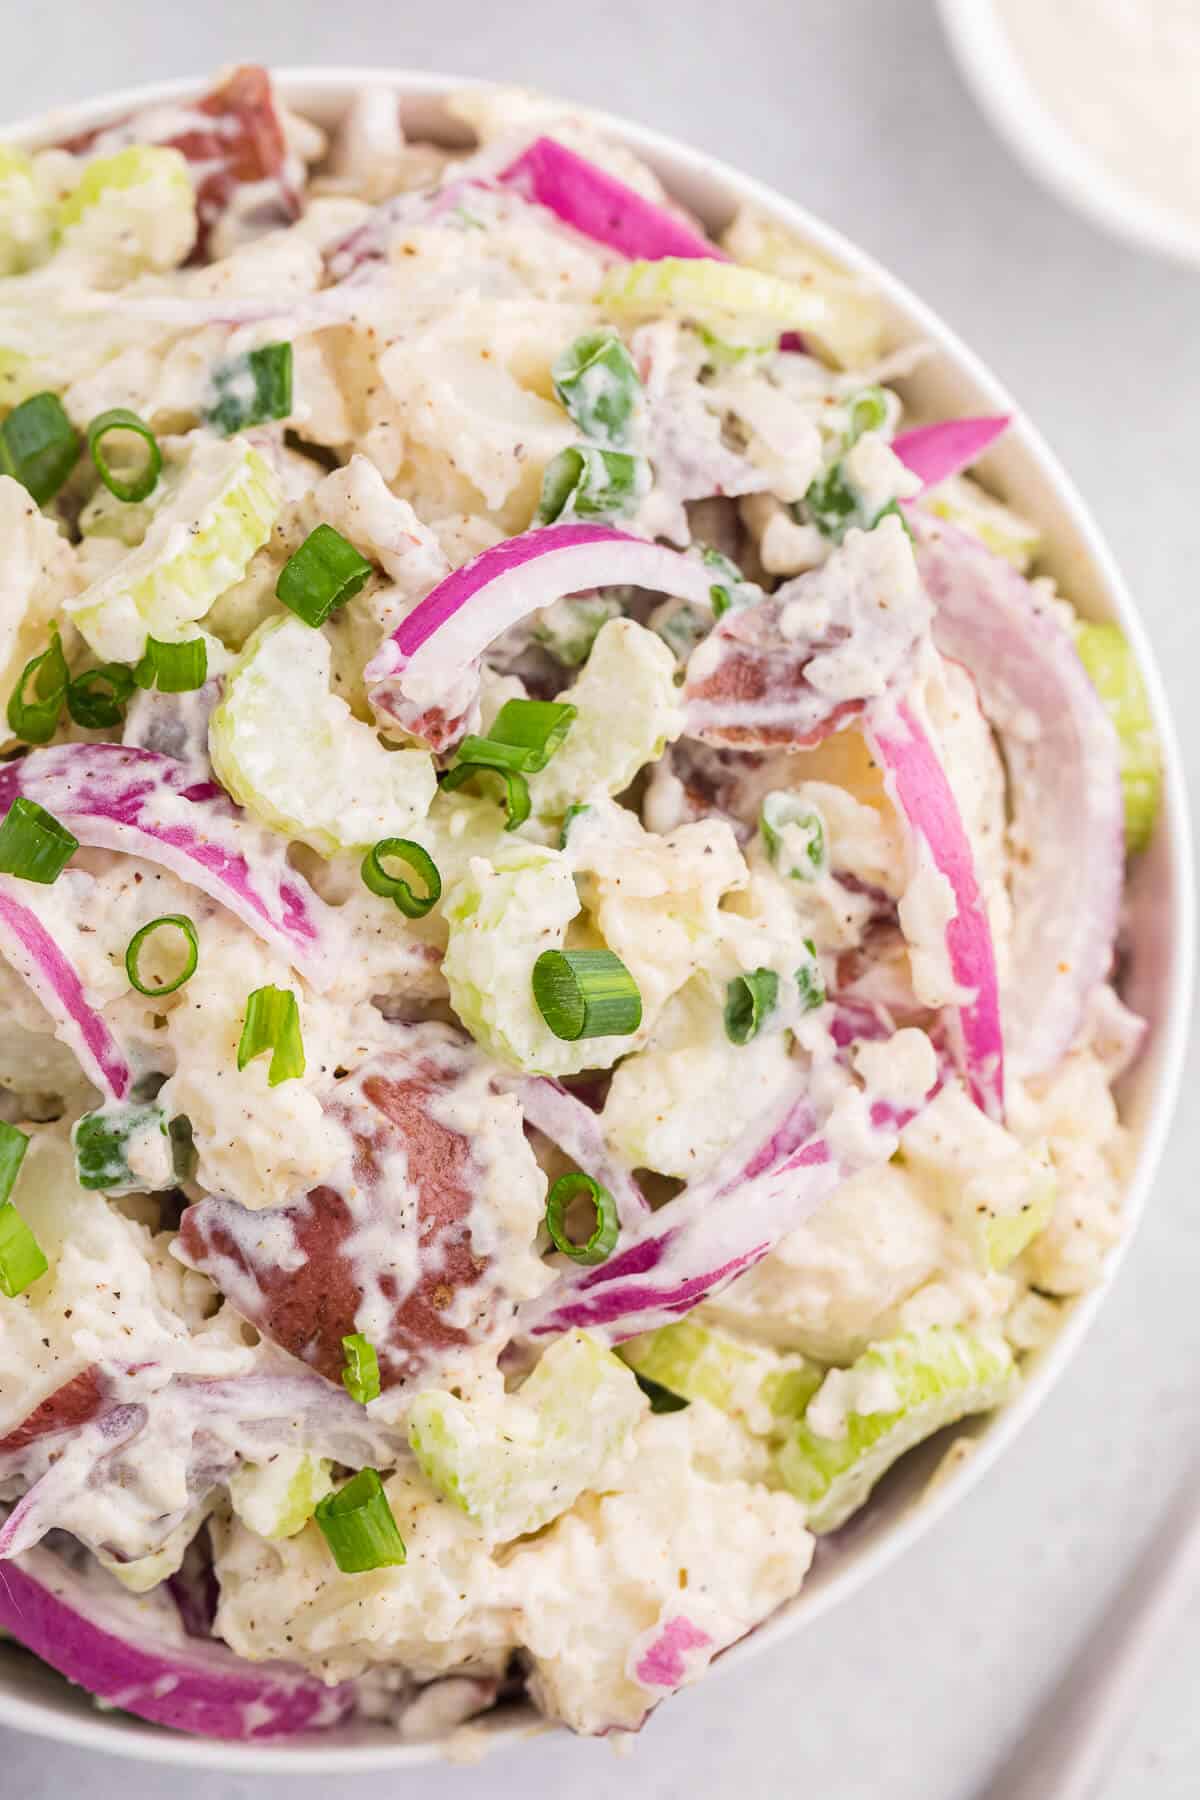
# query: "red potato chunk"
[[747, 686], [69, 1406], [243, 144], [386, 1248]]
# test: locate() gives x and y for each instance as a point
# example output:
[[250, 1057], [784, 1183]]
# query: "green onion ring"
[[181, 922], [142, 482], [394, 887], [599, 1246]]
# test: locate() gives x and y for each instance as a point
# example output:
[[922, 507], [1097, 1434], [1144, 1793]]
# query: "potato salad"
[[560, 871]]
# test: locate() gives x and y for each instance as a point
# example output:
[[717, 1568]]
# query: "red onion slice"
[[132, 1652], [49, 974], [924, 801], [113, 797], [690, 1248], [599, 206], [204, 1425], [767, 1183], [425, 675], [936, 452], [1065, 800]]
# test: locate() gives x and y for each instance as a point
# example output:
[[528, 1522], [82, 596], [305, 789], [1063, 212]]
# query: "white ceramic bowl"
[[1162, 924], [998, 79]]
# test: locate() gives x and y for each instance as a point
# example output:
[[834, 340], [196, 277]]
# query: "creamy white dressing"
[[425, 330], [1120, 78]]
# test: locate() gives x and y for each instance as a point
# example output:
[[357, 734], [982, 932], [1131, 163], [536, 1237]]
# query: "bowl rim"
[[301, 85], [996, 76]]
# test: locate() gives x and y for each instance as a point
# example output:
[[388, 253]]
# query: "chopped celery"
[[26, 222], [502, 913], [293, 754], [769, 1391], [1110, 662], [143, 1573], [962, 502], [627, 711], [852, 332], [127, 521], [597, 383], [133, 210], [198, 545], [588, 483], [742, 306], [517, 1462], [569, 627], [277, 1499], [862, 1419]]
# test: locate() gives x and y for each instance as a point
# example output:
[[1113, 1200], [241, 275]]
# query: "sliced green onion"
[[251, 389], [361, 1373], [323, 574], [35, 721], [661, 1399], [597, 383], [183, 1147], [868, 412], [33, 845], [139, 483], [569, 817], [178, 922], [810, 981], [894, 510], [601, 1242], [794, 835], [96, 699], [13, 1145], [173, 668], [102, 1139], [39, 446], [273, 1023], [830, 503], [586, 994], [22, 1261], [587, 483], [732, 589], [516, 788], [358, 1526], [524, 736], [749, 999], [394, 887]]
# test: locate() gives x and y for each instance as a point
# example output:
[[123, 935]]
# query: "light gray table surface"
[[913, 1690]]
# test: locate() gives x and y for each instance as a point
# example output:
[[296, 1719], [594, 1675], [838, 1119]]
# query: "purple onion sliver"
[[1064, 784], [936, 452], [132, 1653], [37, 959], [551, 1109], [599, 206], [917, 785], [140, 803]]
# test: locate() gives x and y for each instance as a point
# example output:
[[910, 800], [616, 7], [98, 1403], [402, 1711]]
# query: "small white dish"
[[999, 82], [1161, 928]]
